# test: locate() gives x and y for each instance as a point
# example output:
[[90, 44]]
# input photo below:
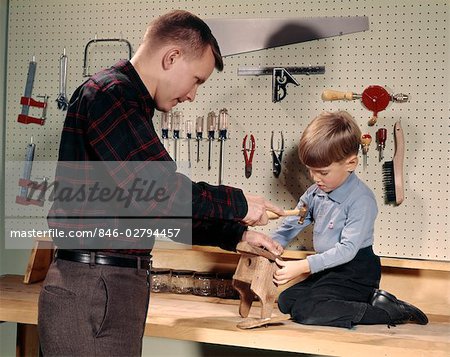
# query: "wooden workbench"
[[213, 320]]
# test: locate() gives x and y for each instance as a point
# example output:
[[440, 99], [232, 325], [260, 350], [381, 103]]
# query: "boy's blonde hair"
[[330, 137]]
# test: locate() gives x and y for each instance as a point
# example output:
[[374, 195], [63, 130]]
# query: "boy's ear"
[[170, 57], [351, 163]]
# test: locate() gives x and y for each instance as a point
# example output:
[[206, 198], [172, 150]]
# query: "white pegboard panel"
[[405, 50]]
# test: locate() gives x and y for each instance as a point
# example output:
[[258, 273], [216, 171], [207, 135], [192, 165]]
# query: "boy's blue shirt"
[[343, 222]]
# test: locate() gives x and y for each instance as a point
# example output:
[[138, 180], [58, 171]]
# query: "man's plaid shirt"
[[110, 119]]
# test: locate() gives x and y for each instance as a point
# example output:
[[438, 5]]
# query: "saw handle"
[[289, 212], [330, 95]]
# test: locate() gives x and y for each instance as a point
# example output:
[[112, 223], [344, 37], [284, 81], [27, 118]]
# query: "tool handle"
[[330, 95], [289, 212], [372, 121], [400, 98], [26, 119], [30, 102], [366, 139], [398, 162], [381, 136]]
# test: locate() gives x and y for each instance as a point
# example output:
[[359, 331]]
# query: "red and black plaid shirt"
[[109, 119]]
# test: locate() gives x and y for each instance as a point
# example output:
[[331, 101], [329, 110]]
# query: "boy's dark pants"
[[337, 296]]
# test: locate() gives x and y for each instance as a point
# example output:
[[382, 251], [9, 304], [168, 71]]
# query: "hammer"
[[301, 213]]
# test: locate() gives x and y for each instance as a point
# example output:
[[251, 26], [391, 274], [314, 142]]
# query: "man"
[[94, 299]]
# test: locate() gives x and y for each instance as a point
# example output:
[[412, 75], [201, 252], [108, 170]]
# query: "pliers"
[[245, 150], [277, 155]]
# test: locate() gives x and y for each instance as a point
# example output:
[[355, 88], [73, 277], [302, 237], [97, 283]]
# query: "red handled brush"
[[393, 170]]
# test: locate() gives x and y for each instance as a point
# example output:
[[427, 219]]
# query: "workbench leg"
[[27, 342]]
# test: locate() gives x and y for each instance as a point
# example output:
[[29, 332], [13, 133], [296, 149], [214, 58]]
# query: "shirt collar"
[[126, 67], [343, 191]]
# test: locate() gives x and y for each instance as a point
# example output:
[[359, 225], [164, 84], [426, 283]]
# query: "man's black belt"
[[94, 258]]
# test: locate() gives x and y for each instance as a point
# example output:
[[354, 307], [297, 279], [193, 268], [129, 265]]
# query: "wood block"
[[253, 322], [40, 259], [254, 276], [244, 247]]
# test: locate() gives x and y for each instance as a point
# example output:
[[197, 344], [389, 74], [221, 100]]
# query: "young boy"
[[338, 286]]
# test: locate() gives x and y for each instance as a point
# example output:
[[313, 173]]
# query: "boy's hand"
[[258, 239], [290, 270]]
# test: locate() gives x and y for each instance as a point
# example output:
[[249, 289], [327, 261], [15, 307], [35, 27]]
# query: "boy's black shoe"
[[399, 311]]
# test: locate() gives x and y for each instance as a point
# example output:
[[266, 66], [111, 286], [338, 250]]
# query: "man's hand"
[[290, 270], [257, 207], [258, 239]]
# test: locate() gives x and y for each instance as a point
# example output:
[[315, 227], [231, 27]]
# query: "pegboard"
[[405, 50]]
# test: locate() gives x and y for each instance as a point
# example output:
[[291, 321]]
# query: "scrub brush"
[[393, 170]]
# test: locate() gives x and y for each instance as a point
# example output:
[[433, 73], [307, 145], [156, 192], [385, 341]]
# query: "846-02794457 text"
[[98, 232]]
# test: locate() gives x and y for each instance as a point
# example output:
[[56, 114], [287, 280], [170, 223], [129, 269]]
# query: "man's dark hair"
[[186, 30]]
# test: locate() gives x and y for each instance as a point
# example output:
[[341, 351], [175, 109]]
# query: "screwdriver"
[[189, 137], [366, 139], [211, 125], [223, 127], [177, 120], [199, 134], [381, 142], [165, 126]]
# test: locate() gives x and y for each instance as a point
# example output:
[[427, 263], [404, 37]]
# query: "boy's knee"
[[285, 303], [284, 308], [307, 312], [300, 313]]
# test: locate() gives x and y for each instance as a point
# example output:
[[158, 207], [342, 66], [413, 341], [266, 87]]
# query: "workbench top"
[[214, 320]]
